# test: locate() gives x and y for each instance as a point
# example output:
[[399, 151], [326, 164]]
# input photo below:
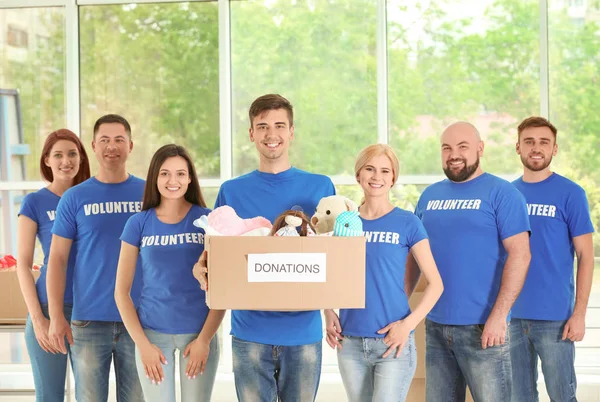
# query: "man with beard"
[[479, 232], [545, 322], [276, 355]]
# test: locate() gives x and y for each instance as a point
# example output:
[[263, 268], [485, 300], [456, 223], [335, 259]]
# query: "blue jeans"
[[367, 376], [198, 389], [95, 345], [530, 339], [263, 373], [455, 359], [49, 370]]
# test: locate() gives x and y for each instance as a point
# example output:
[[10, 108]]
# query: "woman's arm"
[[26, 232], [125, 274], [424, 258]]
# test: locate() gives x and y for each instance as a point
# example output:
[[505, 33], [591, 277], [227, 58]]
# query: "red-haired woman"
[[63, 163]]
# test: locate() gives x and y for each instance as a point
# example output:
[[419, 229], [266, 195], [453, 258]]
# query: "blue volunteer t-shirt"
[[558, 212], [389, 238], [40, 207], [93, 215], [171, 301], [466, 223], [269, 195]]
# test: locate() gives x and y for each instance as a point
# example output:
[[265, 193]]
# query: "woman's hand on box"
[[200, 270], [334, 329], [59, 329], [41, 327]]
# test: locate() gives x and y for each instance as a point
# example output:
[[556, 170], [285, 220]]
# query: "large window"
[[461, 60], [321, 55], [574, 103], [158, 66], [32, 61]]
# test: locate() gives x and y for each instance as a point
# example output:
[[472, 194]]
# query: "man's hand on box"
[[334, 329], [200, 270], [60, 328]]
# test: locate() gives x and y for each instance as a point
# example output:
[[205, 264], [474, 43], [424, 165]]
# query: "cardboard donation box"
[[285, 273], [12, 306]]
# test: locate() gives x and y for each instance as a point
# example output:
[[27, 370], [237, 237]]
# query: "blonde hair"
[[372, 151]]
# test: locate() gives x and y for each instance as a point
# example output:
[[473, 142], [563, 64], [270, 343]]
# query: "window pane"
[[158, 66], [321, 55], [574, 40], [475, 60], [32, 60]]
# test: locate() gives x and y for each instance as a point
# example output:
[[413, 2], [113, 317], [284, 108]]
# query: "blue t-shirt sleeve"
[[132, 232], [578, 213], [28, 208], [418, 209], [65, 223], [416, 231], [220, 201], [331, 187], [511, 212]]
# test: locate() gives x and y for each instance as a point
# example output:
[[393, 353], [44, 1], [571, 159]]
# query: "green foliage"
[[158, 65]]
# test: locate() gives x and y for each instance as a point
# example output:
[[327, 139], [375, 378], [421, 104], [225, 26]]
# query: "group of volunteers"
[[125, 274]]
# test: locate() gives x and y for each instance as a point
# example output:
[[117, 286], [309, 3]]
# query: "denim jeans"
[[198, 389], [455, 359], [49, 370], [367, 376], [530, 339], [95, 345], [263, 373]]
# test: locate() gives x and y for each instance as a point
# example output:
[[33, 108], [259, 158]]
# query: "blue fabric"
[[558, 212], [466, 223], [93, 215], [269, 195], [40, 207], [171, 301], [389, 238], [49, 370], [531, 339], [454, 359]]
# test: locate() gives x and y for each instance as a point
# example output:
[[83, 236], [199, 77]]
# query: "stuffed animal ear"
[[350, 205]]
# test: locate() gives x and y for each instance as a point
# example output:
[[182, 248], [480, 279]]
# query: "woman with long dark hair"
[[63, 164], [172, 312]]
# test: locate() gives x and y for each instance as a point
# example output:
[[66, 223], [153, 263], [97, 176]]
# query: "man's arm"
[[513, 278], [584, 250]]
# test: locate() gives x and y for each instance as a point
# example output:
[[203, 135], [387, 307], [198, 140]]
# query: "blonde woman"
[[376, 345]]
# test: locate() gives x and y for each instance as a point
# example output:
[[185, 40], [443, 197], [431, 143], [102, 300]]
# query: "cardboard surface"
[[12, 306], [229, 288]]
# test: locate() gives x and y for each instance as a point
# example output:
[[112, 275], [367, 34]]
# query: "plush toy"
[[347, 224], [287, 223], [223, 221], [328, 210]]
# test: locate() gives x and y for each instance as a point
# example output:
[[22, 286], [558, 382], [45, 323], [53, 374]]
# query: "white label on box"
[[287, 267]]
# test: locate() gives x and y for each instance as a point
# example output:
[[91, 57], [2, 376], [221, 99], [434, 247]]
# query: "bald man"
[[479, 232]]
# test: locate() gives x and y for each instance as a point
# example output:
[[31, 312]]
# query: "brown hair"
[[536, 121], [372, 151], [152, 196], [280, 222], [63, 134], [112, 118], [268, 102]]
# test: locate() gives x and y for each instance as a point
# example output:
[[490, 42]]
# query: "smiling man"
[[478, 229], [545, 321], [275, 354], [89, 221]]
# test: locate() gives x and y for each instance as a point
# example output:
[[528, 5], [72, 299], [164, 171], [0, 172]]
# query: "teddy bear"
[[328, 210]]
